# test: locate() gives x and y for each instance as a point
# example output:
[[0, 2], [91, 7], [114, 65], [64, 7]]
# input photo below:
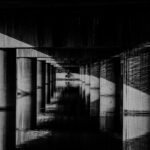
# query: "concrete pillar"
[[41, 86], [26, 93], [80, 71], [87, 74], [49, 86], [87, 89], [109, 76], [83, 82], [80, 86], [95, 89], [51, 81], [81, 79], [7, 99], [54, 80], [47, 82], [84, 70]]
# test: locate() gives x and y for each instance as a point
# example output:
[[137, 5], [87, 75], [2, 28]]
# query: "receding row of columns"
[[106, 90], [26, 86], [34, 90], [119, 87], [102, 83]]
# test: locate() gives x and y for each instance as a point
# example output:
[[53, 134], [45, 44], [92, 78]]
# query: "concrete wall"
[[136, 93], [135, 126], [136, 87]]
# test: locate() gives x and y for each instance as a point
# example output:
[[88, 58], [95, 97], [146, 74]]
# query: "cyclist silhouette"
[[68, 75]]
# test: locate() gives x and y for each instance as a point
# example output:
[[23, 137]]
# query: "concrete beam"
[[31, 53], [50, 60]]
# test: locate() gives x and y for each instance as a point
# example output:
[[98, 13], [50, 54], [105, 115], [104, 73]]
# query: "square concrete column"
[[80, 71], [84, 71], [83, 82], [95, 89], [109, 98], [87, 74], [7, 99], [54, 79], [51, 81], [26, 93], [41, 67], [87, 89], [80, 87], [49, 84]]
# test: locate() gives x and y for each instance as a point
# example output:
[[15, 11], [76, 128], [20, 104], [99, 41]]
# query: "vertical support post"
[[40, 86], [80, 88], [51, 81], [46, 83], [54, 80], [49, 84], [83, 82], [7, 99], [87, 89], [26, 93], [95, 90], [109, 76]]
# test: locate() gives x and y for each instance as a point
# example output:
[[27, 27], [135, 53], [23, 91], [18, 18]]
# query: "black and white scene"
[[74, 75]]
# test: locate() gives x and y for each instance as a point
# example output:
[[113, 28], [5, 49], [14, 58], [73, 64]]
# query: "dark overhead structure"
[[79, 67]]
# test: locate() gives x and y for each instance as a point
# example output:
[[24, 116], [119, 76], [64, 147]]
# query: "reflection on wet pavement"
[[69, 123]]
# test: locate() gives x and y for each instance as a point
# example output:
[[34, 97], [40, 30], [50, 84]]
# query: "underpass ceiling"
[[83, 31]]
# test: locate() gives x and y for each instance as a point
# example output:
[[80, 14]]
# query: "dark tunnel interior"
[[74, 74]]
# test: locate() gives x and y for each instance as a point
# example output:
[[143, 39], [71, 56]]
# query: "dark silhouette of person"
[[68, 75]]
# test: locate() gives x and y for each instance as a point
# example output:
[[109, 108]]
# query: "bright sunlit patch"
[[135, 99], [7, 41], [22, 137]]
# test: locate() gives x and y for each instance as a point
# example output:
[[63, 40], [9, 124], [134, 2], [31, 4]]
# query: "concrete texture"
[[40, 86], [95, 90], [26, 89], [7, 98]]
